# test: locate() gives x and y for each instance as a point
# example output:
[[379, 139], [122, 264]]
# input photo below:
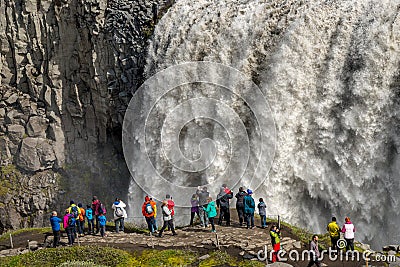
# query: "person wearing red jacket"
[[148, 208], [96, 207], [170, 205]]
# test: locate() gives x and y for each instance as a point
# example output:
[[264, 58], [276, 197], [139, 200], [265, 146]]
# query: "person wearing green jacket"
[[249, 207], [276, 242], [211, 212], [334, 232]]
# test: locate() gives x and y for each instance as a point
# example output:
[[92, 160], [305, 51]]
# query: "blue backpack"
[[71, 220], [74, 211], [89, 214]]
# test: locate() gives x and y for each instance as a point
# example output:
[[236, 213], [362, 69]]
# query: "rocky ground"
[[237, 241]]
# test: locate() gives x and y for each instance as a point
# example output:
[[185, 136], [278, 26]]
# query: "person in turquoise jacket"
[[249, 207], [211, 211]]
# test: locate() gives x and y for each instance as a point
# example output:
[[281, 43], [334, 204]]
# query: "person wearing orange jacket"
[[148, 209]]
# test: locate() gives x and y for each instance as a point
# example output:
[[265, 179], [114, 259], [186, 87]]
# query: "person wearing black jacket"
[[223, 198], [240, 204]]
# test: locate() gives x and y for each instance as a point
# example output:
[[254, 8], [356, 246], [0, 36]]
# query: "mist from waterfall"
[[331, 73]]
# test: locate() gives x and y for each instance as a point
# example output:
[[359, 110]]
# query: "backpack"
[[119, 212], [89, 214], [149, 208], [82, 215], [71, 220], [74, 211], [102, 209]]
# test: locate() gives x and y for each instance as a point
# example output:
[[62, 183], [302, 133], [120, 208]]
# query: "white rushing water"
[[330, 71]]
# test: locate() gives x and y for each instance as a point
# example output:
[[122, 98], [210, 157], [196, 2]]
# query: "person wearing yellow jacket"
[[334, 232], [155, 227]]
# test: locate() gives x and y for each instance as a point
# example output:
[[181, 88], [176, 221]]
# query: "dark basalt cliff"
[[67, 71]]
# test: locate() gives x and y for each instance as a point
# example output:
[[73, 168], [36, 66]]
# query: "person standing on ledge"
[[148, 212], [349, 230], [249, 207], [203, 195], [240, 204], [334, 232], [119, 214], [223, 198], [55, 226], [275, 241], [167, 218]]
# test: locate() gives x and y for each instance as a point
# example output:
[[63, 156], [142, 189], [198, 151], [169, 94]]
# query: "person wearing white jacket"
[[119, 214], [349, 230], [167, 218]]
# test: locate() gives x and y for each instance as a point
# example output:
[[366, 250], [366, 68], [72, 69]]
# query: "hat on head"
[[167, 196], [72, 202], [249, 191]]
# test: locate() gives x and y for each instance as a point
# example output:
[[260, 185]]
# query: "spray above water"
[[330, 71], [207, 125]]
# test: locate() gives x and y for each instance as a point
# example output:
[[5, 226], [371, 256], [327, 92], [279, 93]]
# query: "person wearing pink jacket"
[[349, 229]]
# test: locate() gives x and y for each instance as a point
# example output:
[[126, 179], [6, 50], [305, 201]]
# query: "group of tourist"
[[202, 205], [75, 217], [206, 209], [334, 231]]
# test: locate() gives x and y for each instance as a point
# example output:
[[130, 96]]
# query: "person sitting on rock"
[[167, 216]]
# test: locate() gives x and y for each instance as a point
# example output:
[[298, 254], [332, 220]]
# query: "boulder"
[[16, 132], [13, 116], [12, 99], [5, 153], [37, 126], [36, 154], [204, 257]]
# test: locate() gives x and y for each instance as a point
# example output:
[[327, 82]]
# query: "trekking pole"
[[279, 222], [77, 238], [151, 237], [11, 242], [216, 236]]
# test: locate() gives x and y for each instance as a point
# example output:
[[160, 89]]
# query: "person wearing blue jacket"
[[249, 207], [211, 212], [90, 219], [55, 226]]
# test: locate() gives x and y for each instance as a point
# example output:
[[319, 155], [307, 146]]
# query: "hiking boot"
[[174, 234], [213, 231]]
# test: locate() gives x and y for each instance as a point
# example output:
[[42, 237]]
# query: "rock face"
[[67, 72]]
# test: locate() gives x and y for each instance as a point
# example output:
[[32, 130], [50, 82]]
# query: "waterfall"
[[330, 71]]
